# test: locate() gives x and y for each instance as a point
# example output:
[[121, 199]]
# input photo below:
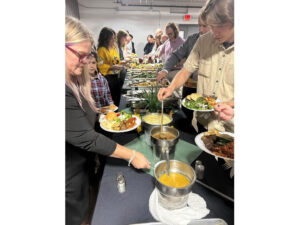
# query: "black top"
[[121, 55], [148, 48], [133, 49], [81, 141]]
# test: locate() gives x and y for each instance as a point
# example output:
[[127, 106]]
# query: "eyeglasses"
[[82, 57]]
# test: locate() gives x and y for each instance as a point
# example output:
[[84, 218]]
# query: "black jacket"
[[133, 49], [81, 141], [148, 48]]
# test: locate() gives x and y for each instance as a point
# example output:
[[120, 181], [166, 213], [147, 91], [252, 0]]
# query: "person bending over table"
[[180, 54], [213, 58], [171, 45], [81, 138], [109, 62]]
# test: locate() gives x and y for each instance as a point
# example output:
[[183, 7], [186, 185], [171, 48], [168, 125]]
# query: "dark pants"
[[123, 73], [114, 86]]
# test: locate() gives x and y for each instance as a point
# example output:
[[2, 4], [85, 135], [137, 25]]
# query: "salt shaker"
[[199, 169], [121, 183]]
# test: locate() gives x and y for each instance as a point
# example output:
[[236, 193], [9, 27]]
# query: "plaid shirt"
[[100, 91]]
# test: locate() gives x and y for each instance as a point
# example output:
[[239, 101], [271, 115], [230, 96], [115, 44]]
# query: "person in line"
[[213, 58], [158, 32], [148, 47], [109, 62], [130, 44], [171, 45], [183, 51], [156, 49], [99, 86], [121, 40], [81, 138], [181, 54], [164, 38]]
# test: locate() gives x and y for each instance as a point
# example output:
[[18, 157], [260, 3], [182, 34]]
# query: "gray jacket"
[[181, 52]]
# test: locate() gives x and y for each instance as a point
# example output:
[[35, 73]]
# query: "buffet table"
[[131, 207]]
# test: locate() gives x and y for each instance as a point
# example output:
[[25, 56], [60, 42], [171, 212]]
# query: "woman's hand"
[[116, 67], [164, 93], [226, 112], [140, 161]]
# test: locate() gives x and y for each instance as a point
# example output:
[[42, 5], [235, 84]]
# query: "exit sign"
[[187, 17]]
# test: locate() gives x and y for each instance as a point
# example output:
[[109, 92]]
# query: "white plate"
[[138, 123], [201, 144], [198, 110]]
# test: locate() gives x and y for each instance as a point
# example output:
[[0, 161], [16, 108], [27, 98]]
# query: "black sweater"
[[81, 140]]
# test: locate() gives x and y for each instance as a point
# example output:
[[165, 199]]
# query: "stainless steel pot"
[[160, 146], [147, 127], [170, 197]]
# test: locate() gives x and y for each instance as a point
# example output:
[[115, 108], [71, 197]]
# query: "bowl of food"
[[164, 141], [152, 120], [175, 188]]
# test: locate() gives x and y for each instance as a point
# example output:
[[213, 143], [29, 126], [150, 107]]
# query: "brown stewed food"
[[164, 136]]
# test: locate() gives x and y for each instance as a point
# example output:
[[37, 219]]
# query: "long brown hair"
[[174, 27], [105, 35], [76, 32]]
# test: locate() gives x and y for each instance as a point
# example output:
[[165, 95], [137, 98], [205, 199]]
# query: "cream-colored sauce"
[[155, 119]]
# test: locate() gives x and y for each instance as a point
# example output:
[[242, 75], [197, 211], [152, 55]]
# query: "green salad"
[[201, 103]]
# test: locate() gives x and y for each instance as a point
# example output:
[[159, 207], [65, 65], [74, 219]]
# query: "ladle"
[[165, 152], [162, 136], [168, 161]]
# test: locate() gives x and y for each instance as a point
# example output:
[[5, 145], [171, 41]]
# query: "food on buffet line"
[[109, 108], [118, 121], [138, 75], [219, 144], [155, 119], [145, 84], [147, 66], [164, 136], [176, 180], [195, 101]]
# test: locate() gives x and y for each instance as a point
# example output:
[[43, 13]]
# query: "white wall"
[[138, 23]]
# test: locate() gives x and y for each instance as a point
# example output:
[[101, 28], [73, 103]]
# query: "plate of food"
[[119, 122], [109, 108], [218, 144], [199, 103]]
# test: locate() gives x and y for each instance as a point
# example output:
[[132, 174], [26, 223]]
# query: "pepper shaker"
[[199, 169], [121, 183]]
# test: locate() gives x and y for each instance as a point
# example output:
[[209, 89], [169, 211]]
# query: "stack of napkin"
[[195, 209]]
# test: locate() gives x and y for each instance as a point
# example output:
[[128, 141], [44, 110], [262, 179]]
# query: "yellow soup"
[[175, 180], [155, 119]]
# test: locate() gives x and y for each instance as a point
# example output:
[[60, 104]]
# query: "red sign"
[[187, 17]]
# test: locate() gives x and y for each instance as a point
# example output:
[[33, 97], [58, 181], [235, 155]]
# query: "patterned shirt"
[[100, 91], [170, 46]]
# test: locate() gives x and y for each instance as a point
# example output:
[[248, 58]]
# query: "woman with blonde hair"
[[122, 37], [81, 138]]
